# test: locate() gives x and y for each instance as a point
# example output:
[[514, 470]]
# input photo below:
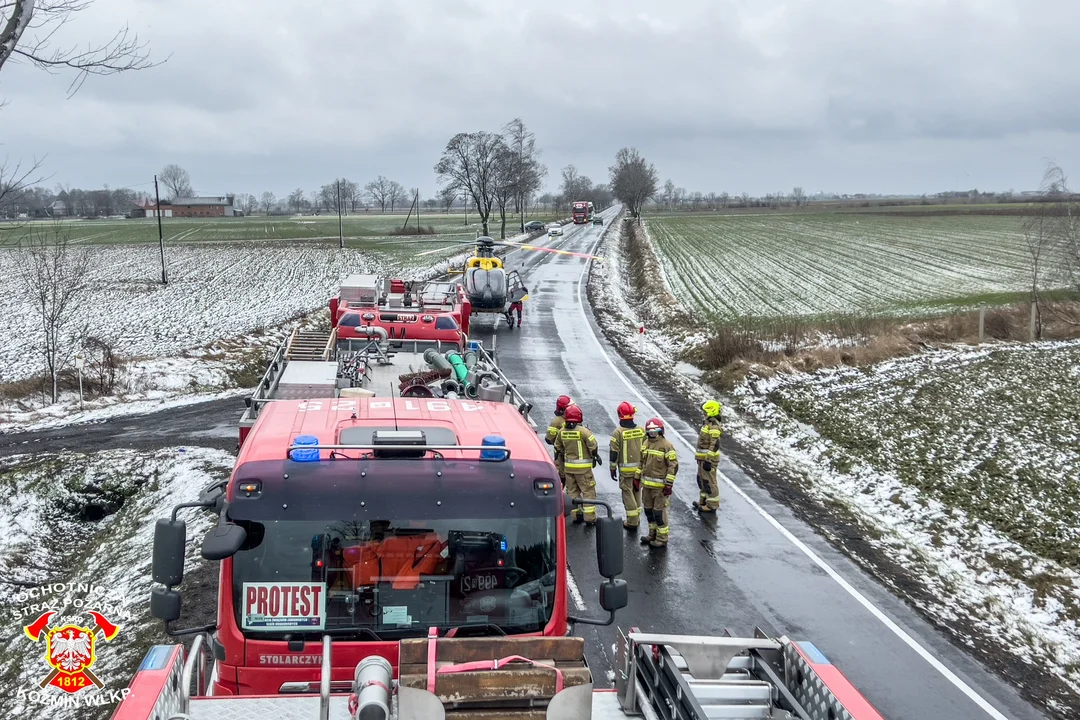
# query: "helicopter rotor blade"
[[550, 250]]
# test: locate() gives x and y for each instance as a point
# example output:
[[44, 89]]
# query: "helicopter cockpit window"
[[481, 280]]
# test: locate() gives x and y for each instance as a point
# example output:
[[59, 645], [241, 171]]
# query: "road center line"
[[858, 596]]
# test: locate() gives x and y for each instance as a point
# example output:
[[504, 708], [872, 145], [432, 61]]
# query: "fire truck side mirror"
[[165, 604], [614, 595], [223, 541], [170, 537], [609, 546]]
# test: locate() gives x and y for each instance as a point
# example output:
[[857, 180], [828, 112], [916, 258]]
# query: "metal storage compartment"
[[304, 379]]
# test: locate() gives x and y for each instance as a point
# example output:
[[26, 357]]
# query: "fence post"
[[1034, 310], [982, 324]]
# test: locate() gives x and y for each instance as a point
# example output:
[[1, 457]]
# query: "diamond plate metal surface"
[[271, 708], [819, 702]]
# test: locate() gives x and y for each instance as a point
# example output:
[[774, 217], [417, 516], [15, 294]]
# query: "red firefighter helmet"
[[561, 403], [655, 424], [626, 411], [572, 414]]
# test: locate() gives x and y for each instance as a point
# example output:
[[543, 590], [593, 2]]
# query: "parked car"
[[555, 230], [534, 225]]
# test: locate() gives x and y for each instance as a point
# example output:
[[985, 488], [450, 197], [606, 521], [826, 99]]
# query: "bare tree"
[[798, 196], [379, 190], [470, 164], [633, 180], [267, 200], [296, 200], [52, 272], [447, 196], [16, 179], [176, 180], [667, 197], [527, 172], [396, 194], [248, 203], [31, 27], [724, 199]]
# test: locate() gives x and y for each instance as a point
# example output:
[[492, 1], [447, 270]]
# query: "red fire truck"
[[580, 212], [405, 310], [402, 553]]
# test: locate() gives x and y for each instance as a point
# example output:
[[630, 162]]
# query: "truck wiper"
[[347, 630], [486, 627]]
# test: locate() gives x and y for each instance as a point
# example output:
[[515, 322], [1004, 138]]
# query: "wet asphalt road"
[[735, 571]]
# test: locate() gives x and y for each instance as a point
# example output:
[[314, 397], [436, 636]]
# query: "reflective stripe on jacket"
[[708, 442], [659, 463], [553, 429], [577, 447], [626, 448]]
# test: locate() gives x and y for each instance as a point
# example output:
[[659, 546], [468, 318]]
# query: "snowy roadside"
[[69, 520], [974, 580], [249, 308]]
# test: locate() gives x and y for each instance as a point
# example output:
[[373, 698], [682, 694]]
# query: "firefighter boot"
[[651, 537]]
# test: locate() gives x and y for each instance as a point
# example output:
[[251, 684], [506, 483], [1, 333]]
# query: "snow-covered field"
[[725, 266], [964, 464], [968, 462], [49, 531], [213, 292]]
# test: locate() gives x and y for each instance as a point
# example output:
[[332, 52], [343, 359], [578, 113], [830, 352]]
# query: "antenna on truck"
[[393, 405]]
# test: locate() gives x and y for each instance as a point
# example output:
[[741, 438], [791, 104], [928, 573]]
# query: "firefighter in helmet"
[[625, 463], [577, 446], [561, 403], [708, 457], [659, 465]]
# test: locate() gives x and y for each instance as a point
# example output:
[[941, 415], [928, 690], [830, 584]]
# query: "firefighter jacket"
[[554, 426], [708, 442], [626, 444], [659, 463], [577, 447]]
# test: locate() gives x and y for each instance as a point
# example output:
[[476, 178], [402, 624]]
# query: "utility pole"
[[465, 198], [160, 234], [417, 211], [340, 235]]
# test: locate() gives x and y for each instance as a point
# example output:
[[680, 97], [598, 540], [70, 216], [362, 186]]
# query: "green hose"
[[458, 365]]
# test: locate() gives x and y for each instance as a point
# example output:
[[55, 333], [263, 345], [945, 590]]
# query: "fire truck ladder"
[[311, 345], [689, 677]]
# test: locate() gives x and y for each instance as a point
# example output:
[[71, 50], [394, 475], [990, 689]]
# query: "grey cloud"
[[282, 94]]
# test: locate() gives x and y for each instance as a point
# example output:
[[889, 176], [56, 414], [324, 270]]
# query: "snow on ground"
[[728, 266], [967, 462], [947, 527], [216, 291], [50, 534]]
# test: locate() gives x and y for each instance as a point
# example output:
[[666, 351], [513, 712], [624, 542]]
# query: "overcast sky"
[[721, 95]]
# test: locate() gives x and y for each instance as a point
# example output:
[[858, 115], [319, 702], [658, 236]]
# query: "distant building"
[[202, 207], [187, 208]]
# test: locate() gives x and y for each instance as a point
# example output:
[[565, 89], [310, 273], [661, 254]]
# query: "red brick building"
[[188, 208]]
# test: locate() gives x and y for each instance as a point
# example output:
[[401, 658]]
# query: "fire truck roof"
[[468, 422]]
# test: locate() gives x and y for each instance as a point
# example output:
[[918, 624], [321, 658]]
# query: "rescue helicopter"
[[487, 284]]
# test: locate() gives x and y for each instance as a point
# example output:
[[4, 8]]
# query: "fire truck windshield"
[[394, 547]]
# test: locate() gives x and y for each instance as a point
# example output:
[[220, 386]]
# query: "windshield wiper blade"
[[486, 627], [346, 630]]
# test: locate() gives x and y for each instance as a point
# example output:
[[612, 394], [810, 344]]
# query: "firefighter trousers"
[[708, 488], [631, 499], [582, 484], [655, 505]]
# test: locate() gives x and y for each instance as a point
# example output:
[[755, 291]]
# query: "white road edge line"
[[574, 592], [862, 599]]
